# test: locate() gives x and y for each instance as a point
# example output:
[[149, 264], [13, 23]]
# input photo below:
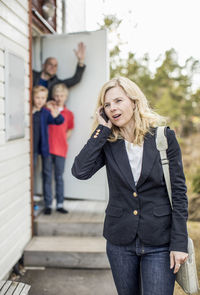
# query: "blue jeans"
[[58, 163], [47, 169], [140, 269], [59, 167]]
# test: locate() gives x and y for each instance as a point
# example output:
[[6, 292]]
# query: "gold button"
[[95, 136], [98, 130], [135, 212], [135, 194]]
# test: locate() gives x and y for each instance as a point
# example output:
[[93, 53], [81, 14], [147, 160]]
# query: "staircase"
[[72, 240]]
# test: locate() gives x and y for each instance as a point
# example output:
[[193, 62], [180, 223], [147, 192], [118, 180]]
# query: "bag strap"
[[162, 145]]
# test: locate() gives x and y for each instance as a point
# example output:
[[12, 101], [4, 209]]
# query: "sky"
[[152, 26]]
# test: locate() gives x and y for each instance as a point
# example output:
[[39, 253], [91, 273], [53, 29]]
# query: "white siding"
[[15, 209], [75, 16], [59, 16]]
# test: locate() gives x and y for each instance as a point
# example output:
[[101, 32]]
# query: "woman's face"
[[118, 107]]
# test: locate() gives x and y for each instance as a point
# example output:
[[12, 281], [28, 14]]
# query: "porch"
[[67, 255], [72, 240]]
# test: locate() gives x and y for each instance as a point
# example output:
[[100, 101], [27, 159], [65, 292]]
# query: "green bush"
[[196, 182]]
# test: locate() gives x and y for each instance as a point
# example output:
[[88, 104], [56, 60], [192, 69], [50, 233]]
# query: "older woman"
[[146, 240]]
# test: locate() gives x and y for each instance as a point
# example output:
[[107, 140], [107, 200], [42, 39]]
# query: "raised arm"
[[91, 158], [80, 54]]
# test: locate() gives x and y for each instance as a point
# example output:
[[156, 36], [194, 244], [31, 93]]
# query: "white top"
[[135, 153]]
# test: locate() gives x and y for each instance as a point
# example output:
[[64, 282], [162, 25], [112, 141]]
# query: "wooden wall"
[[15, 208]]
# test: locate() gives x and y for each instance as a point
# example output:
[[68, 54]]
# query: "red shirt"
[[58, 134]]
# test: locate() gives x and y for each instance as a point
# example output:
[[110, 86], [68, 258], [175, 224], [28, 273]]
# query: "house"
[[22, 24]]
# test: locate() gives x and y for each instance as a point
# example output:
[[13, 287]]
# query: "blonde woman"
[[146, 241]]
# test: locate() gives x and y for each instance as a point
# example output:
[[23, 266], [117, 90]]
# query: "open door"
[[82, 99]]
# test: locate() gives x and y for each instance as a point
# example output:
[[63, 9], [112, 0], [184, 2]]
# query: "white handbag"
[[187, 274]]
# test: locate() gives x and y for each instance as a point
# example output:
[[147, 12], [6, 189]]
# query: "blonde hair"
[[60, 87], [144, 117], [37, 89]]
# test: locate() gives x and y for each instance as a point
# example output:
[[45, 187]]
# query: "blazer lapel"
[[150, 153], [121, 158]]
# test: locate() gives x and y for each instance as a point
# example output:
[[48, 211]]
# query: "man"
[[47, 77]]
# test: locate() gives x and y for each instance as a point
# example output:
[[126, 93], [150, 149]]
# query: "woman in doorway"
[[146, 241]]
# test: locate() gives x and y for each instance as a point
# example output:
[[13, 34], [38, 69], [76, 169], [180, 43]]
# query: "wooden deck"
[[13, 288]]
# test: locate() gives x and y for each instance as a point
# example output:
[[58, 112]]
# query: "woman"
[[146, 241]]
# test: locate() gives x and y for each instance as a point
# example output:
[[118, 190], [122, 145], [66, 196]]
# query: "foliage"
[[110, 22], [196, 182], [168, 89]]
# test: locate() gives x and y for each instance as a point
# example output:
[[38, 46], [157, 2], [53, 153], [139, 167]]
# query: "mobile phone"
[[103, 115]]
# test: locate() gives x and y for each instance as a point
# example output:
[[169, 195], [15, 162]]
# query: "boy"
[[58, 146], [41, 119]]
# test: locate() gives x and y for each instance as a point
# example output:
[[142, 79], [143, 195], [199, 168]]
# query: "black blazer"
[[142, 210]]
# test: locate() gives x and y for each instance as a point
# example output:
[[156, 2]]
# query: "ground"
[[53, 281]]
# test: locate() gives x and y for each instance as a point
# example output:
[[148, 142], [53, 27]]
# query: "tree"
[[169, 88]]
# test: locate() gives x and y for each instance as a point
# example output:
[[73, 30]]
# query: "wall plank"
[[14, 236], [14, 47], [18, 205], [17, 9], [13, 149], [27, 133], [59, 16], [2, 106], [59, 4], [10, 17], [27, 82], [13, 254], [27, 95], [2, 89], [13, 34], [14, 194], [27, 108], [1, 57], [14, 164], [2, 74], [2, 137], [23, 3], [26, 68], [2, 121], [13, 180], [15, 220], [15, 209]]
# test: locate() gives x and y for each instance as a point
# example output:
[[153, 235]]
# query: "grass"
[[194, 233]]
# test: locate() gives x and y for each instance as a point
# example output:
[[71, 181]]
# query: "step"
[[66, 225], [68, 229], [67, 252], [85, 218]]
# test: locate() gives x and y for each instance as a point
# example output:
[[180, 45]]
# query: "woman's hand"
[[101, 120], [176, 259]]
